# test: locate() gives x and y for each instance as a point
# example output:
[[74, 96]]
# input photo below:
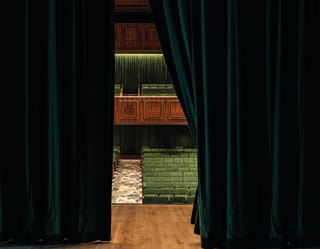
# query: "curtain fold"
[[141, 69], [131, 139], [245, 74], [57, 123]]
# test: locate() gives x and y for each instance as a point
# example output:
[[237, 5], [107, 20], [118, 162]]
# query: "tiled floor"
[[127, 182]]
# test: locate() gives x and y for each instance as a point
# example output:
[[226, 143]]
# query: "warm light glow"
[[147, 55]]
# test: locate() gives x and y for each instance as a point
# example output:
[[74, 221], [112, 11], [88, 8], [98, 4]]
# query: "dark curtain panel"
[[56, 126], [246, 75]]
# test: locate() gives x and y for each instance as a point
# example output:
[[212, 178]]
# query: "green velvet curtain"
[[131, 138], [246, 75], [141, 69], [56, 129]]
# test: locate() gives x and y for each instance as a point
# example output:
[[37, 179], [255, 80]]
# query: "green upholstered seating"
[[117, 89], [169, 175], [157, 89]]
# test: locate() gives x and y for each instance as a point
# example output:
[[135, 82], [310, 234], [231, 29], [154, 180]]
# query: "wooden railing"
[[146, 110]]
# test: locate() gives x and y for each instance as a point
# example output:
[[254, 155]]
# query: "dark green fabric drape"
[[246, 75], [141, 69], [132, 138], [56, 129]]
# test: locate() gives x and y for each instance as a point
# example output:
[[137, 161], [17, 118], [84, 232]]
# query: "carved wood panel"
[[136, 37], [129, 109], [143, 110]]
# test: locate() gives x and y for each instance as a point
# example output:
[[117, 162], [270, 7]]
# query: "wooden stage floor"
[[144, 226]]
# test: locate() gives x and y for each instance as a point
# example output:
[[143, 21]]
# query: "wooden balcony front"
[[147, 110]]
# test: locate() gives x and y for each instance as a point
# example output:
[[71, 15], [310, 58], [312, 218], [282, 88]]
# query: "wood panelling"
[[132, 6], [141, 110], [129, 109], [136, 37], [153, 109], [175, 110]]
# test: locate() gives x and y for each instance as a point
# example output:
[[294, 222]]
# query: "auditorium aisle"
[[127, 182]]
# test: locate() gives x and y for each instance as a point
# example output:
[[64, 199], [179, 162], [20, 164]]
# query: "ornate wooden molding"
[[146, 110], [129, 109]]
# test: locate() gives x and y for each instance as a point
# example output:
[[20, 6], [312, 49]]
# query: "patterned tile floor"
[[127, 182]]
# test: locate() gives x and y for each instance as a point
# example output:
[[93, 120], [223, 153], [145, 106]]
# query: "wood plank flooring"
[[145, 227], [153, 226]]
